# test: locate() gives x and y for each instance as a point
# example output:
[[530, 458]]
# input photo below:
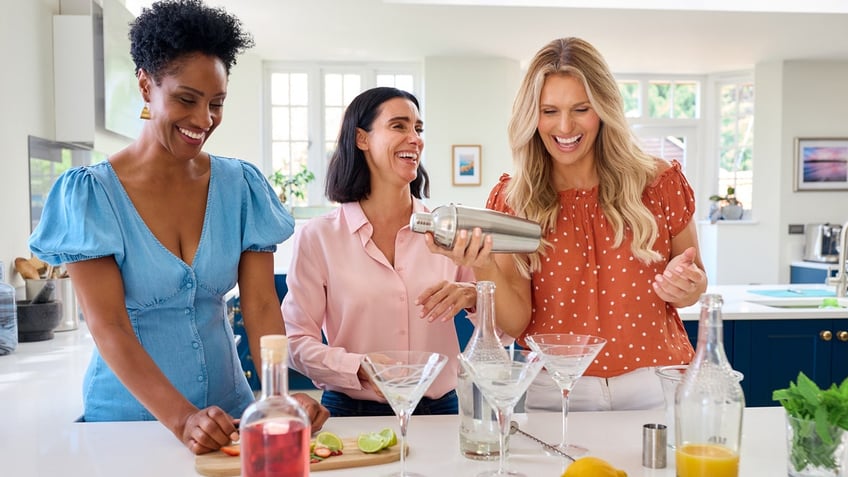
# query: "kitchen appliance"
[[822, 243]]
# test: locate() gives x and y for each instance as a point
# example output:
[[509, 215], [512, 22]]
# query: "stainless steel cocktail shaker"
[[510, 234]]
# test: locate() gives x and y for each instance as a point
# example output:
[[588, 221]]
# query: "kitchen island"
[[40, 398], [746, 302]]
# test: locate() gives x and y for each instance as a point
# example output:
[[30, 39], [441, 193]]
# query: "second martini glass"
[[502, 383], [403, 377], [566, 358]]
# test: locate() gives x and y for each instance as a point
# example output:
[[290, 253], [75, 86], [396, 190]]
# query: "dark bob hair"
[[172, 29], [348, 176]]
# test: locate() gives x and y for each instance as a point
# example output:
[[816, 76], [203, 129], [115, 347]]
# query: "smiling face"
[[568, 125], [393, 145], [187, 104]]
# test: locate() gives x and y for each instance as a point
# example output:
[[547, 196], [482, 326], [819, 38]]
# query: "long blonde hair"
[[623, 169]]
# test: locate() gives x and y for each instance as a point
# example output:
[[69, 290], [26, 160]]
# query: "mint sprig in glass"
[[817, 425]]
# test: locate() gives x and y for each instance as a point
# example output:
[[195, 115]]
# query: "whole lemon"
[[592, 467]]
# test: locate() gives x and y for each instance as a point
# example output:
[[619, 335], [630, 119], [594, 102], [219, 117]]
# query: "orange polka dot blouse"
[[587, 286]]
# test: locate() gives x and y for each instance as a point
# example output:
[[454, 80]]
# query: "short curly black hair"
[[172, 29]]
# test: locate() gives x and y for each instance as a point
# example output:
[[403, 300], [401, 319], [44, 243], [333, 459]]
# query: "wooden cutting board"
[[218, 464]]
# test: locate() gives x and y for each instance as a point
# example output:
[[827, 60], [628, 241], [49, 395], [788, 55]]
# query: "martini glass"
[[502, 383], [403, 377], [566, 358]]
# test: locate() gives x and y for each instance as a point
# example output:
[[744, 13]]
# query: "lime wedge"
[[371, 443], [329, 440], [390, 437]]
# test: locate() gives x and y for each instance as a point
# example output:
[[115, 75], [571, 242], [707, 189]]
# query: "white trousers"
[[640, 389]]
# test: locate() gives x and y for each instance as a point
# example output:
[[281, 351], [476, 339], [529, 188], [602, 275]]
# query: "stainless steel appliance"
[[822, 242]]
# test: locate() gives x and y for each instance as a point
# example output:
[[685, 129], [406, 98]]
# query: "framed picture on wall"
[[466, 164], [821, 164]]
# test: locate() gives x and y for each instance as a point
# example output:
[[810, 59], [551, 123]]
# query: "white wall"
[[793, 99], [467, 101], [26, 93], [763, 245], [746, 252], [240, 133], [815, 104]]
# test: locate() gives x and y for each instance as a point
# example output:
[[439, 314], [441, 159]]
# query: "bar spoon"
[[513, 428]]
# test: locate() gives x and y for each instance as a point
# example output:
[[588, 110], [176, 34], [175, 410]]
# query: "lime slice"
[[390, 437], [371, 442], [329, 440]]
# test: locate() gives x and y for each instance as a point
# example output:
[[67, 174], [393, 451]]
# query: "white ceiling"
[[689, 41]]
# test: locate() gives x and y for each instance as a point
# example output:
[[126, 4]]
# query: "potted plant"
[[730, 207], [817, 427], [291, 186]]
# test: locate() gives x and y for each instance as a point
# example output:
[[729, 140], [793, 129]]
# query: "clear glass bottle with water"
[[709, 403], [275, 429], [8, 315], [478, 429]]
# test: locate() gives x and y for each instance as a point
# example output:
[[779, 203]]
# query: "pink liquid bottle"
[[275, 430]]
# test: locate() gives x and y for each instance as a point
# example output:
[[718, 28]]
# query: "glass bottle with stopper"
[[274, 430]]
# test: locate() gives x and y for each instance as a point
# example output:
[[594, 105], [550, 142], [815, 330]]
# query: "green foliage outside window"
[[293, 186], [685, 100], [631, 97], [658, 99], [670, 99], [736, 138]]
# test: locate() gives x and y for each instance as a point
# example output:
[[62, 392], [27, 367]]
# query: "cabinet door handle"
[[826, 335], [842, 335]]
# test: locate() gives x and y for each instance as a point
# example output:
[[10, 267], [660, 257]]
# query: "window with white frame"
[[736, 138], [304, 108], [665, 113]]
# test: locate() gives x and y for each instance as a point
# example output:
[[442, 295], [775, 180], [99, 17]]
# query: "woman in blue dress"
[[156, 235]]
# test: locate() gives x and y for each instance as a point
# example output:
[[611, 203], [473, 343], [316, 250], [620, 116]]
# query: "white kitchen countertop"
[[40, 398], [737, 308]]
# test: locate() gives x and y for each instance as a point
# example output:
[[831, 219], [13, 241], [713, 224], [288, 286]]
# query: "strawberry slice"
[[322, 452], [234, 450]]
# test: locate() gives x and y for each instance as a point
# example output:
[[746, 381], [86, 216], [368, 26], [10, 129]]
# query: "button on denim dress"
[[177, 311]]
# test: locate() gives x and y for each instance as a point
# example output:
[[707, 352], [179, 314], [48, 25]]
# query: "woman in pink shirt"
[[360, 275]]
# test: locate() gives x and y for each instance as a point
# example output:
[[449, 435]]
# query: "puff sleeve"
[[497, 196], [78, 222], [671, 199], [265, 222]]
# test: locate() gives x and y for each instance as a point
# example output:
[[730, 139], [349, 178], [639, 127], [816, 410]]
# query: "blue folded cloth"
[[794, 293]]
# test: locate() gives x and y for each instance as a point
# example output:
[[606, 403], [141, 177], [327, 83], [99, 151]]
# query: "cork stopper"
[[274, 348]]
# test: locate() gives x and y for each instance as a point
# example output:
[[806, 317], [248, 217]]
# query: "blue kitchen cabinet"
[[243, 349], [727, 330], [802, 274], [770, 353], [464, 328], [297, 381]]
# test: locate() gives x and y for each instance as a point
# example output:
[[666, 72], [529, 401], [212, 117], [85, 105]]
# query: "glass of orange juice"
[[706, 460]]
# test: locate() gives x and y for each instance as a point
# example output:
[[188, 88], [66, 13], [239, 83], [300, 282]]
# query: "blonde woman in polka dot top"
[[620, 253]]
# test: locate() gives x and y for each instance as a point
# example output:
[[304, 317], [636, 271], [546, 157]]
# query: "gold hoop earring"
[[145, 112]]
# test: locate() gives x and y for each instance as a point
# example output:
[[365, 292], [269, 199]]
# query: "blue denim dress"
[[177, 311]]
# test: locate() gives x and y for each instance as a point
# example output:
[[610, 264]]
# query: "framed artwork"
[[466, 164], [821, 164]]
